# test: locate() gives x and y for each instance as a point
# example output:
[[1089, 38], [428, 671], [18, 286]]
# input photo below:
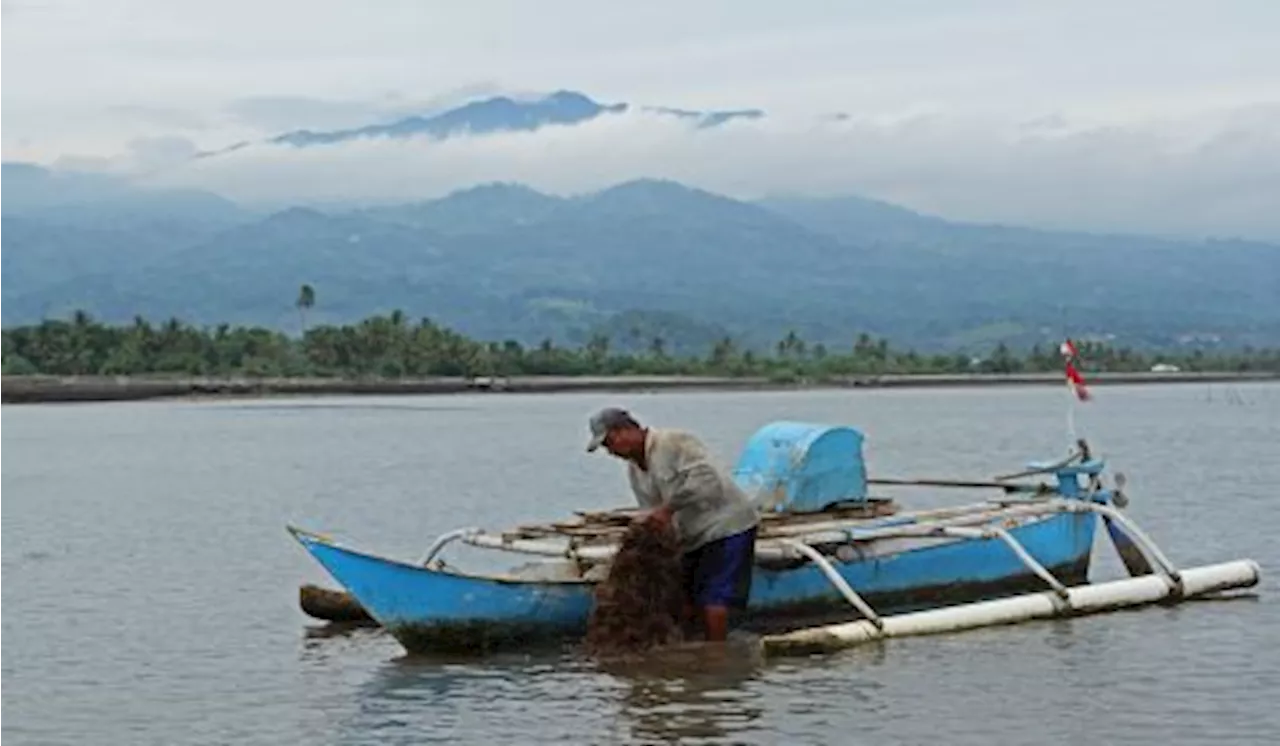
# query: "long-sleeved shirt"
[[706, 503]]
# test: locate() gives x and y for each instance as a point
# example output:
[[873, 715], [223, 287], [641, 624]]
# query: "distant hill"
[[642, 259], [103, 200], [475, 210], [857, 218], [1137, 287]]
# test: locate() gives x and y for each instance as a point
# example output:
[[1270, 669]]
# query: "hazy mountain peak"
[[664, 196], [503, 114], [494, 114], [659, 188], [498, 190]]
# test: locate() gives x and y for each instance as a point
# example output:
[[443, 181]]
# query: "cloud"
[[273, 114], [166, 117], [1213, 173], [143, 158]]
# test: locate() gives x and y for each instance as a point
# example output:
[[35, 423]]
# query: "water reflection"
[[695, 693], [690, 694]]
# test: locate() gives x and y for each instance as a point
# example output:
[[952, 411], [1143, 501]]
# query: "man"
[[672, 473]]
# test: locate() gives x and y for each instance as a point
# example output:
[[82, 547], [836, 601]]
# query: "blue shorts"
[[718, 573]]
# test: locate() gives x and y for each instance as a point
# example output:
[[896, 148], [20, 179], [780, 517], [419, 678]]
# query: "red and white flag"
[[1075, 381]]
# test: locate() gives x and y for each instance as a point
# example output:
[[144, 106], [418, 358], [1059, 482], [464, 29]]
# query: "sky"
[[1139, 115]]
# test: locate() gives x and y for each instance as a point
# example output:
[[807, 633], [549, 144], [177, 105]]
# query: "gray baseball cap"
[[605, 420]]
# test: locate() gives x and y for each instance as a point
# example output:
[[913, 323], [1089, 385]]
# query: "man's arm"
[[644, 498], [693, 481], [689, 477]]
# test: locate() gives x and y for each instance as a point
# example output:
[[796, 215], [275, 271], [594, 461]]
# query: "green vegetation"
[[393, 346]]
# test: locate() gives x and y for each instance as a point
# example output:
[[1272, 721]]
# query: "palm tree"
[[722, 352], [598, 348], [306, 300]]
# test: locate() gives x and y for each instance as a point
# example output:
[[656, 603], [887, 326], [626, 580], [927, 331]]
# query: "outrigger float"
[[827, 554]]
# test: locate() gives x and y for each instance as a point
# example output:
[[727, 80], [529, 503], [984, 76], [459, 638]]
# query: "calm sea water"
[[150, 589]]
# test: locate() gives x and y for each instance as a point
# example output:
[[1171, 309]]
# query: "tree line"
[[393, 346]]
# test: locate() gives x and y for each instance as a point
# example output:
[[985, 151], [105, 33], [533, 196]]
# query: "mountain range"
[[642, 259]]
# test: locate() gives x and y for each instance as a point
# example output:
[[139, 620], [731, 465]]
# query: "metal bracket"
[[442, 540], [996, 532], [837, 580], [1171, 574]]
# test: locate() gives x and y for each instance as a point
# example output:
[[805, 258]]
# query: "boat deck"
[[607, 526], [591, 537]]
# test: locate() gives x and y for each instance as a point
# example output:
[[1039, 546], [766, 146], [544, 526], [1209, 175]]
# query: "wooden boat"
[[821, 537]]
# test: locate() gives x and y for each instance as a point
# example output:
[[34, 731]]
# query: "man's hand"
[[659, 518]]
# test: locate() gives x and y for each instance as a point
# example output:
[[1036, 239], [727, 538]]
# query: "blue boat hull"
[[428, 609]]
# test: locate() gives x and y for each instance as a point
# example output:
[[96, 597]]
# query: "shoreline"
[[64, 389]]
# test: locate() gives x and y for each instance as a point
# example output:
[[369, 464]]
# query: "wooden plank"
[[608, 526]]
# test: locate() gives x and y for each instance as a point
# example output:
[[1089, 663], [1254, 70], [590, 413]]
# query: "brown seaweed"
[[640, 604]]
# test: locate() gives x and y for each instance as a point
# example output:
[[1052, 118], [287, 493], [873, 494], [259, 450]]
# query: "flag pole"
[[1071, 420], [1075, 387]]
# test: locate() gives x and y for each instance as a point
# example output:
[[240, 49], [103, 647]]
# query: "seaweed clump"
[[639, 605]]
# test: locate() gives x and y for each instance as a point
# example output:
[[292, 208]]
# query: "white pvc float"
[[1080, 600]]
